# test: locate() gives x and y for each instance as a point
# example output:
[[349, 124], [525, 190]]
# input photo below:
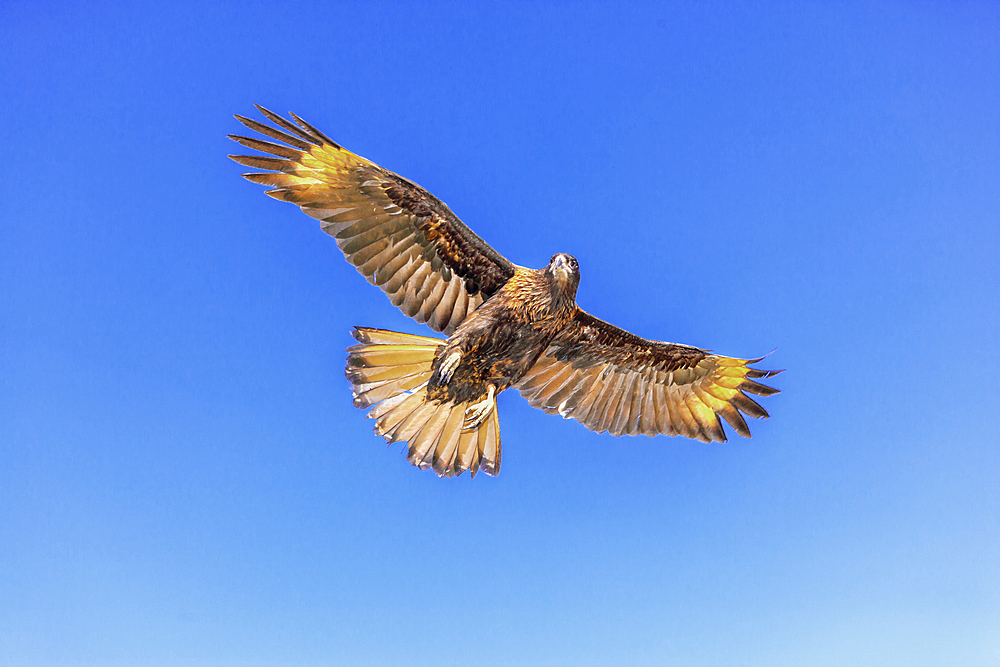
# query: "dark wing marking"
[[398, 235], [611, 380]]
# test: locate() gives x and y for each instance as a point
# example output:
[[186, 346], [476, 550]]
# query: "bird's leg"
[[448, 366], [477, 412]]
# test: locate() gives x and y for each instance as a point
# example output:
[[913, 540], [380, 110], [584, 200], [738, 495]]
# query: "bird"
[[506, 326]]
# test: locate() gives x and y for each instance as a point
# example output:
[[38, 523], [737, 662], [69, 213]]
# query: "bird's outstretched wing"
[[611, 380], [398, 235]]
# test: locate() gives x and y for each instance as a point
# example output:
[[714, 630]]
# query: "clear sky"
[[183, 479]]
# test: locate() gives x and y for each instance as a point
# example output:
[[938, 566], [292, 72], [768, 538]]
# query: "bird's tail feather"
[[392, 370]]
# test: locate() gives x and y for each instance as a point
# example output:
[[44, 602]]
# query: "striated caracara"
[[507, 326]]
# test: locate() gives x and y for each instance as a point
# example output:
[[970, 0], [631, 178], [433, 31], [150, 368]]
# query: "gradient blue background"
[[184, 480]]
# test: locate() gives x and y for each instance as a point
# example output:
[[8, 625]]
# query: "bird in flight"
[[506, 325]]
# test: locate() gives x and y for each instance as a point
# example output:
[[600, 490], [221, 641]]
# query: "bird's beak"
[[561, 265]]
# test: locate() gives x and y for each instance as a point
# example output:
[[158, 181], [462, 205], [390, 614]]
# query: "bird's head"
[[565, 274]]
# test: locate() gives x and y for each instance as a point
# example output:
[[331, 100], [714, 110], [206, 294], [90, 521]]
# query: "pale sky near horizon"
[[185, 480]]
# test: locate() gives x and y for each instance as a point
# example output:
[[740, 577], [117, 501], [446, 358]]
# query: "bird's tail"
[[392, 370]]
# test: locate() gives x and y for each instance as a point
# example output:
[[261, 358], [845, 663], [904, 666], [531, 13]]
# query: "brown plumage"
[[507, 326]]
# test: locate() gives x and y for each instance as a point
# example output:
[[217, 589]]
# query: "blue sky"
[[185, 481]]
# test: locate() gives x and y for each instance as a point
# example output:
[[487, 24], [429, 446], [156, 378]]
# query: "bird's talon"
[[477, 412], [448, 366]]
